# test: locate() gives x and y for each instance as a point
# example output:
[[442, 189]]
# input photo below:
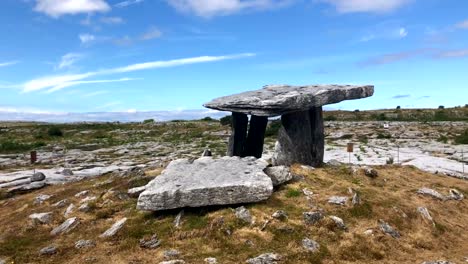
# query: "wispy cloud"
[[86, 38], [57, 8], [152, 33], [128, 3], [401, 96], [391, 57], [462, 24], [8, 63], [211, 8], [112, 20], [367, 6], [68, 60], [452, 54], [389, 30], [96, 93], [58, 82]]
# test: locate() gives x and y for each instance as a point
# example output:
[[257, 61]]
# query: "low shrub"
[[55, 132]]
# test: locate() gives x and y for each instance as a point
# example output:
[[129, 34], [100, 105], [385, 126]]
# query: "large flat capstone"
[[207, 181], [275, 100]]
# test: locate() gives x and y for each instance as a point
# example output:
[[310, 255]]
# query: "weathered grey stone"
[[211, 260], [27, 187], [243, 214], [41, 198], [312, 217], [207, 153], [338, 200], [267, 258], [334, 163], [85, 244], [67, 172], [356, 199], [135, 192], [387, 229], [61, 203], [37, 177], [425, 214], [84, 208], [178, 218], [339, 222], [82, 194], [310, 245], [50, 250], [175, 261], [275, 100], [300, 139], [41, 218], [455, 195], [279, 174], [370, 172], [438, 262], [69, 210], [207, 181], [88, 199], [150, 243], [114, 228], [431, 192], [171, 253], [280, 214], [66, 226]]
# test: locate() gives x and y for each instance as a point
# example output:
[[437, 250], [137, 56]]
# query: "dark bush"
[[463, 138], [226, 121], [55, 132], [273, 128], [207, 119], [441, 107], [148, 121], [330, 118], [398, 107]]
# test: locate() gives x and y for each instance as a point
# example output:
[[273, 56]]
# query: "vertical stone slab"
[[300, 139], [238, 135], [318, 135], [255, 137]]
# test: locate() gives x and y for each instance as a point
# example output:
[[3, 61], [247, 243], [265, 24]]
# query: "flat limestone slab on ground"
[[207, 181]]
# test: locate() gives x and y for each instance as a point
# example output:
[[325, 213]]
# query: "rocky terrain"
[[78, 208]]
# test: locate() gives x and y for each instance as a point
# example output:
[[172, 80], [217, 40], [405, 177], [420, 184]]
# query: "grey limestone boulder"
[[207, 181], [38, 176], [267, 258], [279, 174], [41, 218], [310, 245], [66, 226], [114, 228]]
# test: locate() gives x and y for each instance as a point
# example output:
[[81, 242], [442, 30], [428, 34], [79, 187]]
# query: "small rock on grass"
[[178, 218], [38, 176], [150, 243], [267, 258], [455, 195], [279, 174], [356, 199], [387, 229], [50, 250], [280, 215], [211, 260], [69, 210], [85, 244], [66, 226], [310, 245], [82, 194], [176, 261], [41, 198], [438, 262], [61, 203], [338, 200], [41, 218], [244, 214], [339, 222], [171, 253], [312, 217], [114, 228], [425, 214], [370, 172], [431, 192]]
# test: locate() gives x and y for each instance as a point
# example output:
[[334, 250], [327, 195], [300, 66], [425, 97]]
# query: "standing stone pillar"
[[238, 135], [300, 139], [256, 135]]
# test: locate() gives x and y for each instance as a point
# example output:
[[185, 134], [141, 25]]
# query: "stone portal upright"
[[301, 137]]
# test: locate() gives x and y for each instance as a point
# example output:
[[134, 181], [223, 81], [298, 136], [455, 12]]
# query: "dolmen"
[[301, 137]]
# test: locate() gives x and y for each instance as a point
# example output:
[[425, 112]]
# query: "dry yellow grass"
[[215, 232]]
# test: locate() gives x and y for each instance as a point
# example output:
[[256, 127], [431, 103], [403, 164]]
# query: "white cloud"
[[453, 54], [403, 32], [58, 82], [128, 3], [57, 8], [8, 63], [86, 38], [152, 33], [462, 25], [367, 6], [96, 93], [385, 31], [112, 20], [68, 60], [211, 8]]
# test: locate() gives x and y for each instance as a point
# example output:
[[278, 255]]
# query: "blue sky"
[[61, 56]]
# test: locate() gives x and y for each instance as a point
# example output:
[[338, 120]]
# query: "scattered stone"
[[244, 214], [88, 199], [178, 218], [310, 245], [50, 250], [37, 177], [67, 172], [267, 258], [151, 243], [307, 167], [307, 192], [211, 260], [171, 253], [114, 228], [438, 262], [334, 163], [338, 200], [82, 194], [84, 208], [135, 192], [339, 222], [2, 261], [368, 232], [66, 226], [176, 261], [61, 203], [265, 224], [370, 172], [312, 217], [280, 215], [431, 192], [356, 199], [85, 244], [41, 198], [455, 195], [387, 229], [425, 214], [134, 172], [207, 153], [69, 210], [279, 174], [41, 218], [207, 181]]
